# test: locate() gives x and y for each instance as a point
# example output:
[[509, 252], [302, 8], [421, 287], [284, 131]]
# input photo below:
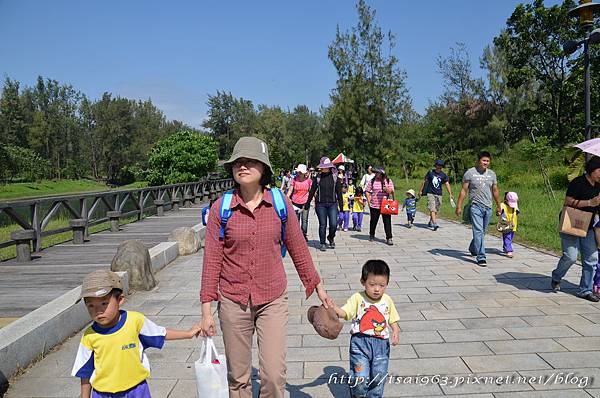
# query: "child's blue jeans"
[[369, 358]]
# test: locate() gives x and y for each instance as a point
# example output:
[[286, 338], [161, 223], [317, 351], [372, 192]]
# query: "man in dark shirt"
[[583, 193], [432, 187]]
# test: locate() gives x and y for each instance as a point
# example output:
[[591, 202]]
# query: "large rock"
[[133, 257], [187, 239]]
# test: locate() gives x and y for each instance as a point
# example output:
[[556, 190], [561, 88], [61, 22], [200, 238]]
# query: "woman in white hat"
[[298, 194], [243, 270]]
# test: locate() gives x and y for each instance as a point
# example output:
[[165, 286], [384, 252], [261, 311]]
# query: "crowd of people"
[[243, 270]]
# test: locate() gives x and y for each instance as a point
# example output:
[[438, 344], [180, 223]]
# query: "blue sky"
[[271, 52]]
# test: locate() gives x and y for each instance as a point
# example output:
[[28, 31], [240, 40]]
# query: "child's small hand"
[[395, 337], [196, 330]]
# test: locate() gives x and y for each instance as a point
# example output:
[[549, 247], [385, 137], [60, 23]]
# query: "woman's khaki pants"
[[238, 323]]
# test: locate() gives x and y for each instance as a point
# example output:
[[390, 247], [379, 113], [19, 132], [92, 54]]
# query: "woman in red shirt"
[[244, 271], [298, 193]]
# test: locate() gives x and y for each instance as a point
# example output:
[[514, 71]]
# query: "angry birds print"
[[373, 320]]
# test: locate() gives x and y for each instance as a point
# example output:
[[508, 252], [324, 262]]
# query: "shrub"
[[185, 156]]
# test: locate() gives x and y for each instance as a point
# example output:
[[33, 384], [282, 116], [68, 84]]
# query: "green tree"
[[532, 47], [229, 118], [370, 98], [12, 117], [185, 156]]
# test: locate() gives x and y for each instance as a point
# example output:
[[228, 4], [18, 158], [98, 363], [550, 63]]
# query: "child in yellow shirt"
[[358, 208]]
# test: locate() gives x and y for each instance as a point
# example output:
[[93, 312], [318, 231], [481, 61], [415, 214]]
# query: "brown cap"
[[325, 321], [99, 283]]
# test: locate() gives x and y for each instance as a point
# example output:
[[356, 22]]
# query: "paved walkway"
[[457, 320], [54, 271]]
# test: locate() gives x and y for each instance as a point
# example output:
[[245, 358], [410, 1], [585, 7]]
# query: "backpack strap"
[[225, 212], [281, 210]]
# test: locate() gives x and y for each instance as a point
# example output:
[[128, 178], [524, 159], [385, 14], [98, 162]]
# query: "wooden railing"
[[85, 210]]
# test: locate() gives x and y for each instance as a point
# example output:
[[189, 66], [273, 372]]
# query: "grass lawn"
[[24, 190], [538, 220]]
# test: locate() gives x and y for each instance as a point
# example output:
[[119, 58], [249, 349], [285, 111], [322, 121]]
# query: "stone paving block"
[[451, 336], [586, 330], [541, 332], [527, 302], [424, 336], [512, 362], [524, 346], [588, 311], [446, 324], [61, 387], [550, 320], [161, 388], [511, 311], [451, 349], [572, 359], [479, 303], [580, 343], [502, 322], [436, 297], [452, 314], [183, 389], [311, 354]]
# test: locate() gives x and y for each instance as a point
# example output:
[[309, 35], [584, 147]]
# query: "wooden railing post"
[[23, 240]]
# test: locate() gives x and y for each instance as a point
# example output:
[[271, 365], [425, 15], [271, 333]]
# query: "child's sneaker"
[[409, 225], [509, 254], [357, 229], [345, 229]]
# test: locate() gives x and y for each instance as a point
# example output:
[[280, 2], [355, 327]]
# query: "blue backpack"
[[225, 212]]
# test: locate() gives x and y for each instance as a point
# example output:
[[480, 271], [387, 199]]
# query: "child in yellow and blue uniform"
[[372, 313], [358, 208], [509, 213], [111, 360], [344, 215]]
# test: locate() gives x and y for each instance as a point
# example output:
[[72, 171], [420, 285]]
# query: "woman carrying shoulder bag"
[[378, 189], [583, 193]]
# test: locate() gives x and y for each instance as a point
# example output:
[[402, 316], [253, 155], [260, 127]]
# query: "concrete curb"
[[33, 335]]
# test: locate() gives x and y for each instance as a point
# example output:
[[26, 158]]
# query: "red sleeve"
[[213, 256], [298, 249]]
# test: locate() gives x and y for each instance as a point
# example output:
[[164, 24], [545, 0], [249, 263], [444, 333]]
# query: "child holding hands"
[[111, 360], [373, 314]]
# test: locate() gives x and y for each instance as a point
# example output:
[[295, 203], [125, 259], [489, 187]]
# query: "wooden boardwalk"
[[58, 269]]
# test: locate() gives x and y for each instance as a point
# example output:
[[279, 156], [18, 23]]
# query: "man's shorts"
[[434, 202]]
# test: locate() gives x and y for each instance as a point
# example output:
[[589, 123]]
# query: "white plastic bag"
[[211, 372]]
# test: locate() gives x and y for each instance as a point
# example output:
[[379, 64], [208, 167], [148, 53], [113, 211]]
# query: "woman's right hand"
[[208, 325], [594, 202]]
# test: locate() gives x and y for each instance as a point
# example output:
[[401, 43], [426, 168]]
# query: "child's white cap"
[[512, 198], [411, 191]]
